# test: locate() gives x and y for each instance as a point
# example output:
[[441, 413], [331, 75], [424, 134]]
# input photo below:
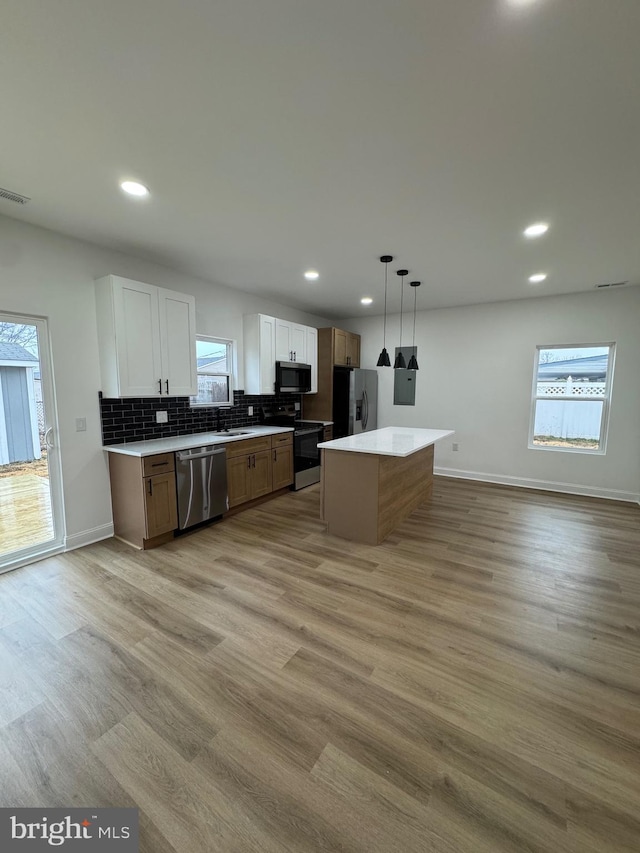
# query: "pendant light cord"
[[415, 306], [384, 332], [401, 304]]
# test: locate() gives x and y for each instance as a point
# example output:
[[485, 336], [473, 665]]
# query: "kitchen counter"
[[184, 442], [390, 441], [372, 481], [311, 421]]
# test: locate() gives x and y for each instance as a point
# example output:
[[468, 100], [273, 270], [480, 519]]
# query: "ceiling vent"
[[19, 199], [612, 284]]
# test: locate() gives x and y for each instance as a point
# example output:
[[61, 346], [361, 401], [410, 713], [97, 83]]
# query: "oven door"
[[306, 456]]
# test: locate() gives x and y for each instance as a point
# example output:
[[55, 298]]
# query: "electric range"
[[306, 437]]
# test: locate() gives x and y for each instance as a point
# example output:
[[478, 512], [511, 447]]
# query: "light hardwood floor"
[[472, 685]]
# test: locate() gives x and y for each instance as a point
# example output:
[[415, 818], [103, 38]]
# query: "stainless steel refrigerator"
[[355, 401]]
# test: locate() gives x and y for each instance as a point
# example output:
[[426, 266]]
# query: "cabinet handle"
[[158, 464], [160, 385], [248, 462], [254, 460], [275, 455], [167, 384], [150, 486]]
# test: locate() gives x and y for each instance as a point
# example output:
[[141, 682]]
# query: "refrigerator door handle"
[[366, 409]]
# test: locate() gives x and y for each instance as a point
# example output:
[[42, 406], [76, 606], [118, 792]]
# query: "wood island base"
[[364, 496]]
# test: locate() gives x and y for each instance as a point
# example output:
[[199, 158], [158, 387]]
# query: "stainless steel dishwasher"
[[201, 475]]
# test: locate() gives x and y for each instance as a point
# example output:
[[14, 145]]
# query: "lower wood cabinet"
[[258, 466], [328, 433], [143, 497], [249, 469], [143, 490], [282, 460], [160, 504]]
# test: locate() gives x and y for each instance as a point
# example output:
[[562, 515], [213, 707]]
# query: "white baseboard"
[[544, 485], [88, 537]]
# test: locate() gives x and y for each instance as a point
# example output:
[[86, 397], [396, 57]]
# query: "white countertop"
[[311, 421], [184, 442], [391, 441]]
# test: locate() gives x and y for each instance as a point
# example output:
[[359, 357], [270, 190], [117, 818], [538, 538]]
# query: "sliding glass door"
[[31, 518]]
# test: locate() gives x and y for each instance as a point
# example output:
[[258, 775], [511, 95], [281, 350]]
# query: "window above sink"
[[215, 373]]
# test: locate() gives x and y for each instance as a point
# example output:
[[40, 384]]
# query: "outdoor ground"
[[552, 441], [36, 466], [25, 505]]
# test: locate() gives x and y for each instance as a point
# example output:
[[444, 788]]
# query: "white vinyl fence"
[[567, 416]]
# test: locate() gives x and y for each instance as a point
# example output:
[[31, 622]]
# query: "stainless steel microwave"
[[293, 377]]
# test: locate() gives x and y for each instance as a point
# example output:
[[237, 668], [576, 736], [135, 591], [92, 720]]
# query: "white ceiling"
[[278, 135]]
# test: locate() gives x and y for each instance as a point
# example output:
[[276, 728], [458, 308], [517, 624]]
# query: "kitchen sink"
[[233, 432]]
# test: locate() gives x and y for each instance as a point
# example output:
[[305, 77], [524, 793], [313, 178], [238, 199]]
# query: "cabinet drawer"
[[248, 445], [161, 463], [282, 439], [328, 433]]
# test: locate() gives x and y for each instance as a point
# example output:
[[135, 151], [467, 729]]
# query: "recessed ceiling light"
[[311, 275], [366, 300], [536, 230], [134, 188], [537, 278]]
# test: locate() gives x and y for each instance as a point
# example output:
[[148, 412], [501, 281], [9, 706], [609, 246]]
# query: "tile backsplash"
[[134, 418]]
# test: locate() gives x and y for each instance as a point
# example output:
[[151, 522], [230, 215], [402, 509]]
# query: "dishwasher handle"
[[185, 457]]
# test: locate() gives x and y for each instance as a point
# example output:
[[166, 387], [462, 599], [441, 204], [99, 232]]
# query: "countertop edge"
[[184, 442], [338, 444]]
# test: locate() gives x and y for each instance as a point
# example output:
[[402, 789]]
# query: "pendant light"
[[383, 358], [413, 361], [400, 363]]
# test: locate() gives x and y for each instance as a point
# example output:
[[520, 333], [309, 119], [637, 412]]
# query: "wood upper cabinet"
[[353, 350], [312, 356], [143, 497], [346, 348], [147, 339], [336, 348], [340, 347]]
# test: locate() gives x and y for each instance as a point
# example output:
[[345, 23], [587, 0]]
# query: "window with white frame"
[[215, 372], [571, 397]]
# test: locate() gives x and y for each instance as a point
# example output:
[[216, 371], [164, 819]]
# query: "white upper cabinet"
[[291, 342], [259, 354], [267, 340], [178, 343], [284, 347], [299, 343], [147, 339]]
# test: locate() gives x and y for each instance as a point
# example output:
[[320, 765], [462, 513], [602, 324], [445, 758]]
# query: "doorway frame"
[[23, 556]]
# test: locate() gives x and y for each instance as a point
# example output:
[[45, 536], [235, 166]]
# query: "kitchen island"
[[374, 480]]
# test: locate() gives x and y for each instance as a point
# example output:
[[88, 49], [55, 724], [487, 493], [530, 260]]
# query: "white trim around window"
[[570, 408], [215, 369]]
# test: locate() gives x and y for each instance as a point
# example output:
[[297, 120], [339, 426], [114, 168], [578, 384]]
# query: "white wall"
[[476, 372], [43, 273]]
